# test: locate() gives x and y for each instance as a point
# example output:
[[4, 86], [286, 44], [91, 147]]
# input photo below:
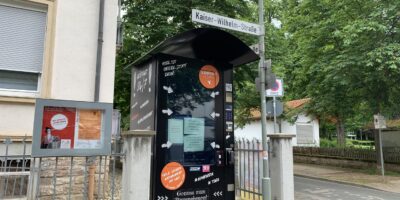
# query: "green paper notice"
[[175, 131], [193, 134]]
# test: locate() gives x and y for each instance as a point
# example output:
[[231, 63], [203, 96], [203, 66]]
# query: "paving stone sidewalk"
[[350, 176]]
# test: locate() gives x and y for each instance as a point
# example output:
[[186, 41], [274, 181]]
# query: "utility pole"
[[266, 181]]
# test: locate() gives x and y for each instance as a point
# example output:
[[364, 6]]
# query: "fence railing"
[[248, 169], [248, 162], [24, 177], [14, 171], [391, 155]]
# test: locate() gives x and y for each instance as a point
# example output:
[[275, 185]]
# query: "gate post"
[[136, 174], [281, 160]]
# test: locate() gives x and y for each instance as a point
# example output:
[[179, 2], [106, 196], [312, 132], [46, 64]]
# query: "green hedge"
[[349, 143]]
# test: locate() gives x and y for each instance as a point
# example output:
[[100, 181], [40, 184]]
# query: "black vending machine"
[[183, 91]]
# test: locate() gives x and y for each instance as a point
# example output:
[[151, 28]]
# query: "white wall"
[[74, 61], [16, 119], [75, 50], [253, 130]]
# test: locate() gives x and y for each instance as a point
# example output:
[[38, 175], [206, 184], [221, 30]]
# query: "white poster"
[[193, 134], [175, 131]]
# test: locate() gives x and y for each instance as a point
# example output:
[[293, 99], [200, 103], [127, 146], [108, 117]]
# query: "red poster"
[[58, 128]]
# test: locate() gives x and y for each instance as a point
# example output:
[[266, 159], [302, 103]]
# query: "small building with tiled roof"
[[306, 127]]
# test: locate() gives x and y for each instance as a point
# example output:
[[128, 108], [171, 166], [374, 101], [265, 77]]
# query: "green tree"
[[344, 53], [315, 74]]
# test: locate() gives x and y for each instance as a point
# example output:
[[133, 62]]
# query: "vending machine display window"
[[191, 126]]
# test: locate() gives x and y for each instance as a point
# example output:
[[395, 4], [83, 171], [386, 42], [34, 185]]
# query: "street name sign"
[[225, 22]]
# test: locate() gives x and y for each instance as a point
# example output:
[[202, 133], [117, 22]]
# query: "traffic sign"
[[379, 121], [276, 90], [225, 22], [278, 109]]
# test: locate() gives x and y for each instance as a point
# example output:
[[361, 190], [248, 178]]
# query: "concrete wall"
[[71, 49], [253, 130]]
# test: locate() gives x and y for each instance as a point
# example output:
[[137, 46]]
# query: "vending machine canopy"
[[207, 44]]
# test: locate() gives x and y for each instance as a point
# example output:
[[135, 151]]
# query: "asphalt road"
[[313, 189]]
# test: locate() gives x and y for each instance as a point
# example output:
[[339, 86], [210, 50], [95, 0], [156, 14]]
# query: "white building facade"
[[49, 49], [305, 127]]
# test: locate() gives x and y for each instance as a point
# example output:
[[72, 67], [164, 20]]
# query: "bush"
[[323, 142]]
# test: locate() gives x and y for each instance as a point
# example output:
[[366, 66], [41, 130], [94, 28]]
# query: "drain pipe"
[[99, 52], [92, 167]]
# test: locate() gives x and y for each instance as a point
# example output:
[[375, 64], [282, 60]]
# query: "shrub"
[[323, 142]]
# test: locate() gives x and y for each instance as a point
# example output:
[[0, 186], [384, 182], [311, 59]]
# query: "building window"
[[22, 39]]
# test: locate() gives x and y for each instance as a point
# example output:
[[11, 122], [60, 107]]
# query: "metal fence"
[[14, 171], [24, 177], [391, 155], [248, 166]]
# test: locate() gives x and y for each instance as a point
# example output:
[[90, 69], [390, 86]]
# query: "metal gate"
[[24, 177], [248, 166]]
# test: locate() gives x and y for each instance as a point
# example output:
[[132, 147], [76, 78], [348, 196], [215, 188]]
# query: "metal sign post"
[[380, 123], [274, 103], [276, 91], [266, 180], [381, 152]]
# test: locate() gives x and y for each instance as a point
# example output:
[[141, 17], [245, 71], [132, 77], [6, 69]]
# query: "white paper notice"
[[65, 144], [175, 131], [87, 144], [193, 134], [194, 126]]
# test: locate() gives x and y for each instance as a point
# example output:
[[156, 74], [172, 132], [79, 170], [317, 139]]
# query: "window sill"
[[30, 100]]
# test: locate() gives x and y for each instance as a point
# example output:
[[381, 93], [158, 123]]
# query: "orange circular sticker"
[[209, 76], [173, 176]]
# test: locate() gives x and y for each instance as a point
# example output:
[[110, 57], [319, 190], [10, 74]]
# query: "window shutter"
[[304, 134], [22, 36]]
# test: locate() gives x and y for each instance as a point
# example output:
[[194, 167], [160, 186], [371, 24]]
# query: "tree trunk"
[[329, 134], [377, 148], [341, 138]]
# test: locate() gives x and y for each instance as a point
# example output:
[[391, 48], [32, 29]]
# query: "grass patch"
[[372, 171]]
